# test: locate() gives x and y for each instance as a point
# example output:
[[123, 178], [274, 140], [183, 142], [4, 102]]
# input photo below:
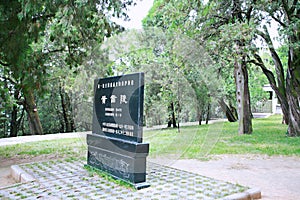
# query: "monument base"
[[137, 186], [121, 158]]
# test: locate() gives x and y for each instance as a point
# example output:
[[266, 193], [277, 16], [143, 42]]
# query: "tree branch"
[[278, 64], [276, 59], [286, 8], [285, 5], [20, 119], [277, 20], [270, 76], [4, 64], [9, 79], [56, 50], [293, 7], [42, 16], [248, 14]]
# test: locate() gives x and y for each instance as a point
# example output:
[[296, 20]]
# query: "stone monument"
[[116, 143]]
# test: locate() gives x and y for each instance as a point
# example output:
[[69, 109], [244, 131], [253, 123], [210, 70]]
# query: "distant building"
[[272, 105]]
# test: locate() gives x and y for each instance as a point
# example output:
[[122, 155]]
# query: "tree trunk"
[[229, 112], [170, 122], [178, 121], [14, 122], [32, 113], [293, 83], [240, 95], [278, 84], [172, 119], [233, 110], [288, 91], [294, 114], [280, 90], [281, 93], [61, 122], [67, 111], [247, 105], [199, 115], [243, 98], [173, 116], [208, 113]]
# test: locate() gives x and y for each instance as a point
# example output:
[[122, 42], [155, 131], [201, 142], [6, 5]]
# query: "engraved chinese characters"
[[119, 107]]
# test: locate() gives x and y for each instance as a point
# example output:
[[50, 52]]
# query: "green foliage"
[[54, 47], [51, 117], [174, 16], [231, 31], [177, 70], [45, 41], [256, 82]]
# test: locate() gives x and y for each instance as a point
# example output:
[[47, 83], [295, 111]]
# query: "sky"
[[136, 14]]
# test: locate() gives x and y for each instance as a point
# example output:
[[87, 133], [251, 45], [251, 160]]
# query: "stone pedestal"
[[122, 159]]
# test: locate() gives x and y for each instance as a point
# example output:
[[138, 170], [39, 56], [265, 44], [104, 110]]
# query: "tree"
[[233, 32], [258, 15], [200, 22], [34, 32], [177, 17], [174, 63], [150, 48], [10, 115], [286, 85]]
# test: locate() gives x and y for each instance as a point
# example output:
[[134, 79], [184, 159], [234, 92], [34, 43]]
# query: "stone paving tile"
[[69, 180]]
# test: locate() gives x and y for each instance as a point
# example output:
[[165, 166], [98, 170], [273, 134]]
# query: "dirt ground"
[[5, 177], [277, 177]]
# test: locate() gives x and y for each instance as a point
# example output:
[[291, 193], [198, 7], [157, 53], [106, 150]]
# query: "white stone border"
[[250, 194], [20, 175]]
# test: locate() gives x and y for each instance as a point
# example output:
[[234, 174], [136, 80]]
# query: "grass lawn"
[[222, 138], [195, 142], [70, 147]]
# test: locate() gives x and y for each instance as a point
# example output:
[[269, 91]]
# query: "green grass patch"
[[71, 147], [96, 172], [268, 138], [195, 142]]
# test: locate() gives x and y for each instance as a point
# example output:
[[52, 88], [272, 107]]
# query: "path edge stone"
[[20, 175], [250, 194]]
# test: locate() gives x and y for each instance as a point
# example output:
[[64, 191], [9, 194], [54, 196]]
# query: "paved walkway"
[[68, 179], [36, 138], [278, 177]]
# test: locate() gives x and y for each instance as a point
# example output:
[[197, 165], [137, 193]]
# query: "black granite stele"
[[115, 145]]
